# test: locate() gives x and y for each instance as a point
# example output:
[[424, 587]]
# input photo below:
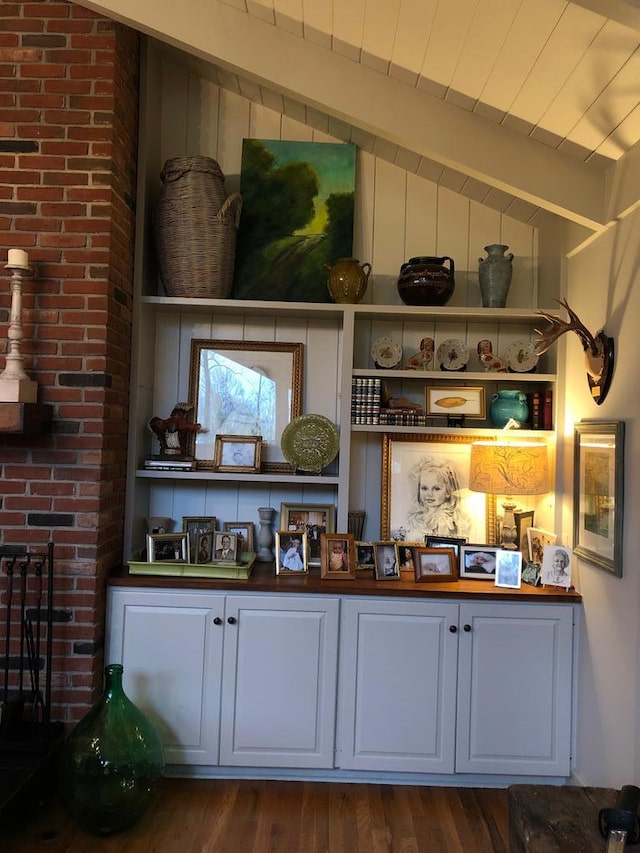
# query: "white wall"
[[603, 288]]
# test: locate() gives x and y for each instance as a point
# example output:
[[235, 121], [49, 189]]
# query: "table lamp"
[[509, 468]]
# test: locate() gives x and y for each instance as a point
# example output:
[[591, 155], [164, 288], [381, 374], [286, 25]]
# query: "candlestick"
[[15, 385]]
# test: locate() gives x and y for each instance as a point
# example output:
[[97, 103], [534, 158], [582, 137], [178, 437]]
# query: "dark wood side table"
[[557, 819]]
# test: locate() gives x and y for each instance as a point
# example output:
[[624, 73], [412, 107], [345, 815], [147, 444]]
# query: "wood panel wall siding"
[[398, 214], [68, 150]]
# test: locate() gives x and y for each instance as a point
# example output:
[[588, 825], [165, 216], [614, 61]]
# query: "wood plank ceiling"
[[552, 70], [444, 88]]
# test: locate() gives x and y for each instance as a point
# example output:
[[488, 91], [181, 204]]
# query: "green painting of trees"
[[297, 216]]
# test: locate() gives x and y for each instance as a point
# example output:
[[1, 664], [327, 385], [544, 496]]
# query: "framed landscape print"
[[598, 493], [425, 490], [244, 388]]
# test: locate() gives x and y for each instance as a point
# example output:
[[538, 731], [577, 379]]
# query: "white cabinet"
[[349, 683], [237, 680], [514, 688], [170, 643], [398, 685], [403, 663], [279, 681]]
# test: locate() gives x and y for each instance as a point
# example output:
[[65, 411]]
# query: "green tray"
[[233, 571]]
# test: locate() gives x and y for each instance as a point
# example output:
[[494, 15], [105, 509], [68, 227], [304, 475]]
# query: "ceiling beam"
[[623, 184], [624, 12], [374, 102]]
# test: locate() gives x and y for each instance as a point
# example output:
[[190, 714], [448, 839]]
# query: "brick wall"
[[68, 147]]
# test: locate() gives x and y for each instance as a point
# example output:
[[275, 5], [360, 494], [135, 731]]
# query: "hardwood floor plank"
[[242, 816]]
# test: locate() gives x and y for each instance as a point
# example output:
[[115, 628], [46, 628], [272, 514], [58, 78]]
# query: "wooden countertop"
[[264, 579]]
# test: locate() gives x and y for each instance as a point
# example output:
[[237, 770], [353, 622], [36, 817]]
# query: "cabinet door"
[[514, 692], [171, 651], [279, 681], [398, 685]]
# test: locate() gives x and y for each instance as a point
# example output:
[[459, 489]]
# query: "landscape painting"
[[297, 216]]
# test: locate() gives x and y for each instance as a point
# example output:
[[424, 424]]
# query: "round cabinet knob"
[[232, 620], [453, 629], [217, 621], [467, 628]]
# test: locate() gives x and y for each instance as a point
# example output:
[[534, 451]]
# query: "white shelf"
[[360, 311], [454, 375], [258, 479], [512, 433]]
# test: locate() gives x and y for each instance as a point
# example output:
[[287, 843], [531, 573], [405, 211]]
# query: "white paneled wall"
[[398, 214]]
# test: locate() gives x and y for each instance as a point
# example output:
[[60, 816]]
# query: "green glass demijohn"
[[111, 762]]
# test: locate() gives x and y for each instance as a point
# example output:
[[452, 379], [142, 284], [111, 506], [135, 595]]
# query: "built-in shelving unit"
[[337, 343]]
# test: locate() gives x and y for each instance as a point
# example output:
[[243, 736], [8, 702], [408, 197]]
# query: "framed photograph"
[[225, 547], [167, 547], [407, 556], [365, 559], [425, 489], [446, 542], [598, 477], [530, 572], [245, 388], [244, 532], [524, 520], [455, 400], [314, 519], [435, 564], [556, 567], [291, 552], [204, 548], [537, 540], [508, 568], [194, 525], [238, 454], [338, 556], [478, 562], [387, 563]]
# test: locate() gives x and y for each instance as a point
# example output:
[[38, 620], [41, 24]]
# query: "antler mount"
[[598, 348]]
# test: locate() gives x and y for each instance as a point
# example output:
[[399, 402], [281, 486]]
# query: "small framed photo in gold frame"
[[237, 454], [387, 561], [244, 532], [291, 552], [455, 400], [167, 547], [337, 556]]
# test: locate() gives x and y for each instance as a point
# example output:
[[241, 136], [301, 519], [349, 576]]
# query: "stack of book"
[[402, 417], [170, 463], [365, 400], [541, 409]]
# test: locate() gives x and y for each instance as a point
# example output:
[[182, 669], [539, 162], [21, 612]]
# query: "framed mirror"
[[244, 388]]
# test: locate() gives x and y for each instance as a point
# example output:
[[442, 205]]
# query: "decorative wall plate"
[[521, 357], [310, 442], [452, 354], [386, 352]]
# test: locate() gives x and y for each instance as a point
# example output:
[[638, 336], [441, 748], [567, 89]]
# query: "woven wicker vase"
[[196, 225]]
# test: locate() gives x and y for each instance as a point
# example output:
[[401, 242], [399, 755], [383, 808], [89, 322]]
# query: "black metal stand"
[[29, 740]]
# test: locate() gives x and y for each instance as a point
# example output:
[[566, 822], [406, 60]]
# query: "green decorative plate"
[[310, 443]]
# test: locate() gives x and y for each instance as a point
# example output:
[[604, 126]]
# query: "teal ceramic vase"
[[494, 276], [509, 404], [111, 762]]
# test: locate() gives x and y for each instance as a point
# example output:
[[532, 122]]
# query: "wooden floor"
[[213, 816]]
